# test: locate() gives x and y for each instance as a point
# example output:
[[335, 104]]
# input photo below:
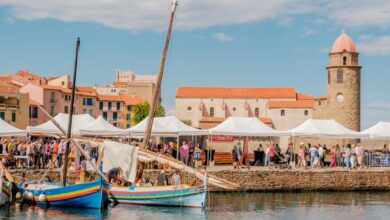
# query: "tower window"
[[328, 77], [340, 76], [344, 60], [212, 112], [257, 112], [282, 112]]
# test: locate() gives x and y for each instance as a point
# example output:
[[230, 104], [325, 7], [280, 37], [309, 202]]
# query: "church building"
[[281, 108]]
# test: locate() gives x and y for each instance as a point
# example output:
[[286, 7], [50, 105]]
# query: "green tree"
[[141, 111]]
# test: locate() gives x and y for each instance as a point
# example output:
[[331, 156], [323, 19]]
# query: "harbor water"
[[310, 205]]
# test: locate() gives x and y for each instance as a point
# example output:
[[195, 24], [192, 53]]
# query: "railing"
[[11, 106], [2, 106], [53, 101]]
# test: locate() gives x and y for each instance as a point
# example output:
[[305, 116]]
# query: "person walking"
[[360, 154], [301, 156], [184, 153], [236, 156], [347, 156], [333, 157]]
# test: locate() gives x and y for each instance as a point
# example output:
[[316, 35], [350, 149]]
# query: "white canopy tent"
[[245, 126], [100, 127], [379, 131], [7, 130], [169, 126], [48, 127], [324, 129]]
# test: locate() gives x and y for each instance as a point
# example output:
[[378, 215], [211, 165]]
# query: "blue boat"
[[85, 195]]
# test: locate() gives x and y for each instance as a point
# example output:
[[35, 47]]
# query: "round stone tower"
[[343, 98]]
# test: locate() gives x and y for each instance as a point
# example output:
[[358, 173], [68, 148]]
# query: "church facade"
[[281, 108]]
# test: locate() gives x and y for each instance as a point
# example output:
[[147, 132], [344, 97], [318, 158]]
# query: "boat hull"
[[5, 195], [180, 196], [86, 195]]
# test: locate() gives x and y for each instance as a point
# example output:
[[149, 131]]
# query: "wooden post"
[[156, 92]]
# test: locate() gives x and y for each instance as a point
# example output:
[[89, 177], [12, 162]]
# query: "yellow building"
[[14, 106]]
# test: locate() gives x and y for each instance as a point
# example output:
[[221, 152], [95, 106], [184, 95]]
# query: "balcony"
[[53, 101], [4, 106]]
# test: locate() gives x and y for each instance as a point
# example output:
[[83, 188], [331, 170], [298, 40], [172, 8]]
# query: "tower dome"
[[343, 43]]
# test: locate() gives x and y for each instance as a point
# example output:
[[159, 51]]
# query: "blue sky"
[[215, 43]]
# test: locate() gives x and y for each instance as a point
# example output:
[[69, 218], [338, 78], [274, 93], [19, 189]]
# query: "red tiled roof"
[[120, 83], [115, 98], [88, 89], [321, 98], [8, 87], [25, 73], [6, 78], [291, 104], [131, 100], [266, 120], [33, 102], [58, 88], [212, 119], [302, 96], [225, 92]]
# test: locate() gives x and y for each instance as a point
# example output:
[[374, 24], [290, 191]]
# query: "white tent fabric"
[[48, 127], [169, 126], [120, 155], [245, 126], [7, 130], [324, 128], [379, 131], [100, 127]]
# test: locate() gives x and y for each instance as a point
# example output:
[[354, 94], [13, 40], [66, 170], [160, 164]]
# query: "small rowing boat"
[[179, 195], [92, 194]]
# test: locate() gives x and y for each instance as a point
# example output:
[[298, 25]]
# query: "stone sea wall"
[[268, 180]]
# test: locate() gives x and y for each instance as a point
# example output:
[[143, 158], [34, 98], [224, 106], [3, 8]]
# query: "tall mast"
[[156, 92], [69, 133]]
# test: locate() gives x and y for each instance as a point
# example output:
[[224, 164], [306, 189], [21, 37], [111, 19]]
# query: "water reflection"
[[341, 205]]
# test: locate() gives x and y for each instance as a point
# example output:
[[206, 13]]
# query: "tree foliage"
[[141, 111]]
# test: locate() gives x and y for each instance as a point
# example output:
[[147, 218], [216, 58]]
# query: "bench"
[[225, 158]]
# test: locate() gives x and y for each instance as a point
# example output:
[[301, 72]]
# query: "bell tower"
[[343, 90]]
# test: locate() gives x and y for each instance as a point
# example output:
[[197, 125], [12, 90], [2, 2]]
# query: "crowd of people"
[[38, 153], [188, 153]]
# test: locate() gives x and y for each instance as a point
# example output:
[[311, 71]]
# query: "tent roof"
[[7, 130], [324, 128], [166, 126], [49, 128], [102, 128], [379, 131], [245, 126]]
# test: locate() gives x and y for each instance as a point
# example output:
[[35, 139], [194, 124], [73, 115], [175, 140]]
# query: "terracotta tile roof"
[[7, 87], [88, 89], [212, 119], [120, 83], [33, 102], [131, 100], [302, 96], [25, 73], [266, 120], [225, 92], [6, 78], [115, 98], [291, 104], [58, 88]]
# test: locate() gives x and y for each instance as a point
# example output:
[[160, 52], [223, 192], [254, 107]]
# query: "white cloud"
[[375, 45], [222, 37], [199, 14], [153, 14]]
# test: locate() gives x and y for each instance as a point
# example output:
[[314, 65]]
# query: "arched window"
[[257, 112], [344, 60], [340, 76], [212, 112]]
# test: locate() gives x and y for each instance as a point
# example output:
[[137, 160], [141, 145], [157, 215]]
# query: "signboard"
[[222, 138]]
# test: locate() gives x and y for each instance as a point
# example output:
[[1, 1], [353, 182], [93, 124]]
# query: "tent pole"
[[177, 147]]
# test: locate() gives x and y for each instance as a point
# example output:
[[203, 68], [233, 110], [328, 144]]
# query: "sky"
[[246, 43]]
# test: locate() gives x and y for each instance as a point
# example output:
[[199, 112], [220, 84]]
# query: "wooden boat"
[[6, 181], [179, 195], [85, 195]]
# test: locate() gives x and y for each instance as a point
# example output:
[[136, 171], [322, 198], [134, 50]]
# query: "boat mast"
[[69, 133], [157, 90]]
